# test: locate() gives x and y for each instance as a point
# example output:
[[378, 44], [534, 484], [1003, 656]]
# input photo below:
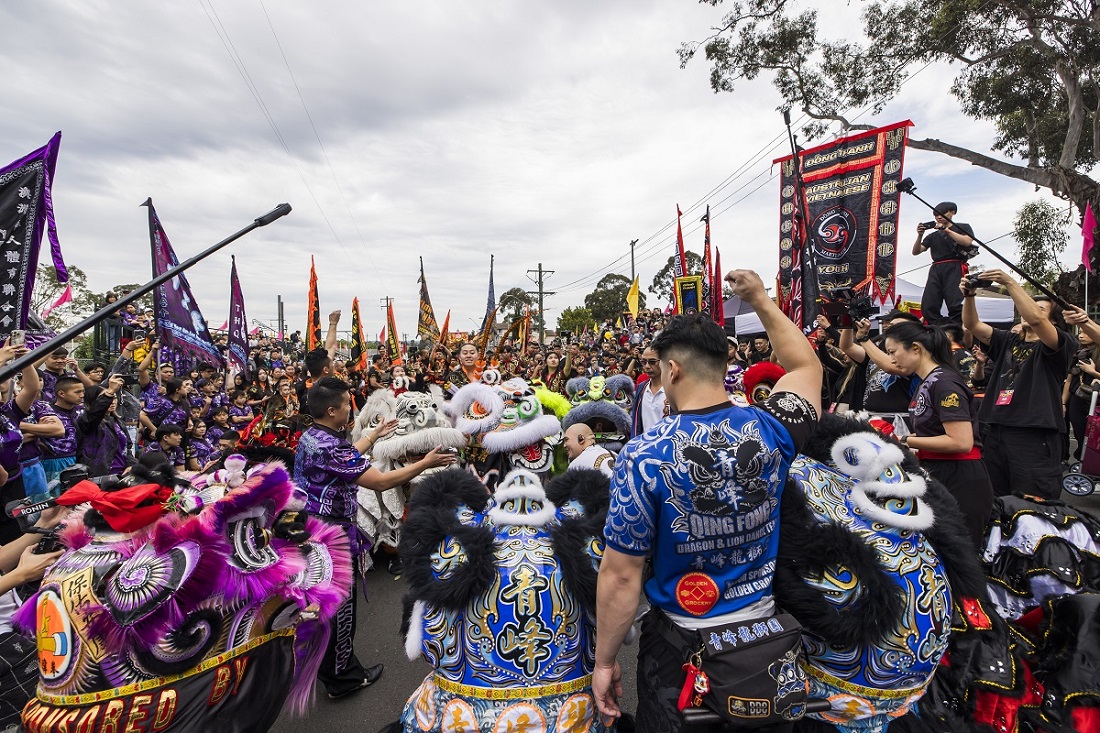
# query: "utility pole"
[[542, 293], [282, 323], [634, 242]]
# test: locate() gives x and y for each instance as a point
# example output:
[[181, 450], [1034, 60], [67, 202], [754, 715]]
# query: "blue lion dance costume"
[[502, 596]]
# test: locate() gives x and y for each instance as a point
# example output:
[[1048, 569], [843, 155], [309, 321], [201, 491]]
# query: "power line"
[[317, 135], [242, 69]]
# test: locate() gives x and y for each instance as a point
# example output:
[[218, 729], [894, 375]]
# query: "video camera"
[[27, 511], [845, 306]]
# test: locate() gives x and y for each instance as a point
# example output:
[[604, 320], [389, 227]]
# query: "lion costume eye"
[[528, 407]]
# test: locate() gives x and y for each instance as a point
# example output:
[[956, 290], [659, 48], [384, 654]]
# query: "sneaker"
[[372, 675], [396, 567]]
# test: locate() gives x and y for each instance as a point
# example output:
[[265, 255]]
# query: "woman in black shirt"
[[945, 429]]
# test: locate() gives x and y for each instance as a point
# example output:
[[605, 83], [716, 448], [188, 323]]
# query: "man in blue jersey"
[[698, 495]]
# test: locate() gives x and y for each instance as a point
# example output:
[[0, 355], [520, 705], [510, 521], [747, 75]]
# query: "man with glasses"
[[649, 396]]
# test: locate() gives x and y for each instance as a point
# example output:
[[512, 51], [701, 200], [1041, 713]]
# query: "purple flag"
[[181, 328], [238, 324], [26, 210]]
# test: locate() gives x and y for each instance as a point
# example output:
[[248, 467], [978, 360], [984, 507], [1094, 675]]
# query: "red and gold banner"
[[393, 345], [313, 311], [851, 200]]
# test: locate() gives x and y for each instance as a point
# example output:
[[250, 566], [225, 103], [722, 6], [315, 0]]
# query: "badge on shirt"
[[697, 593], [1005, 397], [951, 400]]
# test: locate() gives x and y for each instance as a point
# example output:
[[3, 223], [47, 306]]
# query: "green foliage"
[[1040, 232], [574, 319], [662, 281], [608, 301], [512, 306], [1029, 66], [47, 290]]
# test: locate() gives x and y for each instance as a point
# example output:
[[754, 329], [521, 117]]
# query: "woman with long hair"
[[556, 372], [1077, 394], [945, 426]]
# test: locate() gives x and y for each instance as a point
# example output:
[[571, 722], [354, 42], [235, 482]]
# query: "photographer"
[[1023, 405], [103, 444], [20, 565], [878, 385], [948, 241]]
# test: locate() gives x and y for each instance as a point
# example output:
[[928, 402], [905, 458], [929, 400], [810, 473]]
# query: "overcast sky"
[[549, 133]]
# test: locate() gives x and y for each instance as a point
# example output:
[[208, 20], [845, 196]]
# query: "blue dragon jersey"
[[699, 492]]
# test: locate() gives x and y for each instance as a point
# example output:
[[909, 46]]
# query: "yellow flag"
[[632, 299], [619, 322]]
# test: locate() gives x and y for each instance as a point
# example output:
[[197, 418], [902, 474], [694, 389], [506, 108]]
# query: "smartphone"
[[17, 337], [139, 334]]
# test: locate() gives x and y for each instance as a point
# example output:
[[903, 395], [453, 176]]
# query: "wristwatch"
[[861, 339]]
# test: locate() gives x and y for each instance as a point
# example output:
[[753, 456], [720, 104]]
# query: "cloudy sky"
[[550, 133]]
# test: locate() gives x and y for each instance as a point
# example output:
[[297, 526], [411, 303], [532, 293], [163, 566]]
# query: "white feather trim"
[[414, 639], [920, 521], [490, 402], [394, 447], [521, 484], [521, 436], [864, 456]]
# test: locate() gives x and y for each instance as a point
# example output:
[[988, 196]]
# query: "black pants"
[[943, 287], [969, 484], [340, 669], [660, 679], [1024, 460], [1077, 415]]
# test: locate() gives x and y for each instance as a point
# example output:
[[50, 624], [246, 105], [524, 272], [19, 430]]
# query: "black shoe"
[[396, 567], [371, 676]]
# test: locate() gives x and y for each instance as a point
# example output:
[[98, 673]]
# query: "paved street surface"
[[378, 640]]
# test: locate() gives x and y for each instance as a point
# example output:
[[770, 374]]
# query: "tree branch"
[[1037, 176]]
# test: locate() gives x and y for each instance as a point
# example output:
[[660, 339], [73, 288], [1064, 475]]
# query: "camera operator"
[[948, 242], [878, 385], [1023, 401], [20, 565]]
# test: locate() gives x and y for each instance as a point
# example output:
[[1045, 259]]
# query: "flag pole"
[[105, 312]]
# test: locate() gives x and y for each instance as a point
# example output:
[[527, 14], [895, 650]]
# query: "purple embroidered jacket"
[[65, 446], [326, 467]]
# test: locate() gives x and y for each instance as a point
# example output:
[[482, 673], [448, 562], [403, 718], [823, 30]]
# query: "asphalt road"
[[377, 640]]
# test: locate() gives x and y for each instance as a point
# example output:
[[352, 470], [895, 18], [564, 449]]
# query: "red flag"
[[718, 310], [1088, 230], [708, 274], [392, 344], [445, 332], [358, 343], [679, 263], [65, 297], [382, 343], [313, 311]]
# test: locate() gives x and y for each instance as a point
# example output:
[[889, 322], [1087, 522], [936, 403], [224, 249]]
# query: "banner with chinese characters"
[[238, 324], [181, 327], [851, 199], [26, 211]]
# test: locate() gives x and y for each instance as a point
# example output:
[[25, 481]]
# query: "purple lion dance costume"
[[213, 615]]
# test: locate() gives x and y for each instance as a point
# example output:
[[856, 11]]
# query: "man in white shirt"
[[649, 398], [580, 445]]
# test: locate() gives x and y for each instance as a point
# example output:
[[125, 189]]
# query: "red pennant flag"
[[313, 311], [718, 310], [1088, 231], [679, 265], [708, 274]]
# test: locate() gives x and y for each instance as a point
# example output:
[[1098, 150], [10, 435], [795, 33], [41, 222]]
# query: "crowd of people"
[[987, 410]]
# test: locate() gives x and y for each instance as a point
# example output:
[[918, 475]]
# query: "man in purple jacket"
[[330, 471]]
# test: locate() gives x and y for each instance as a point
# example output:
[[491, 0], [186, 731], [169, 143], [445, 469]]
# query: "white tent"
[[990, 309]]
